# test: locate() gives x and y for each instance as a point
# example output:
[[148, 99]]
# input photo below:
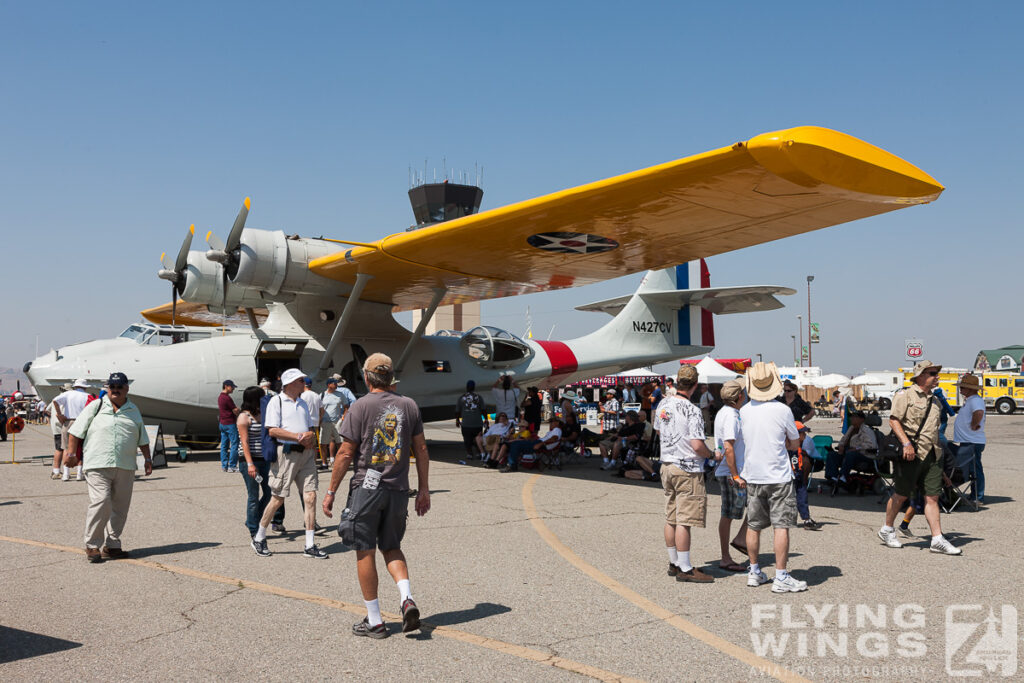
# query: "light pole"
[[810, 344], [800, 329], [793, 337]]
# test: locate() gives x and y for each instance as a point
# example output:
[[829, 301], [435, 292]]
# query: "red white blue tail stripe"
[[695, 324]]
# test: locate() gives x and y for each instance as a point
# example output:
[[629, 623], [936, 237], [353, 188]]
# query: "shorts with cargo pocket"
[[687, 503], [374, 517]]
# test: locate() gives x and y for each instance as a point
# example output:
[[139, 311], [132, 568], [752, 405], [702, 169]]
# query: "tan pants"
[[110, 494]]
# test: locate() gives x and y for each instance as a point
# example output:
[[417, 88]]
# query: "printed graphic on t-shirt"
[[387, 437]]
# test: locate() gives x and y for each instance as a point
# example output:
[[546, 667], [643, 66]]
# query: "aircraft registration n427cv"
[[324, 305]]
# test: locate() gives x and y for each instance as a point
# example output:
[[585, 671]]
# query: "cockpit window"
[[134, 332], [491, 347]]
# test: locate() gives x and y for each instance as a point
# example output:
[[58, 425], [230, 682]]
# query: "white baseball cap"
[[290, 375]]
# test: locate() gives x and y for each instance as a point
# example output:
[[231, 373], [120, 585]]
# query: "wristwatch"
[[329, 493]]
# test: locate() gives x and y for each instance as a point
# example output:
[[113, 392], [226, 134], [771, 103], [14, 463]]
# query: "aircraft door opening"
[[274, 357], [352, 372]]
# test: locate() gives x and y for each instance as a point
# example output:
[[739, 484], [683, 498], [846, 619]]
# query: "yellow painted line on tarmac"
[[721, 644], [519, 651]]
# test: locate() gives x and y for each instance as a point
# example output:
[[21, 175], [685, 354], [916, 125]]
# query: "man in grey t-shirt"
[[381, 431]]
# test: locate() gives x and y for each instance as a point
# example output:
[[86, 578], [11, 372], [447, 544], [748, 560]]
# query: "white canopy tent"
[[868, 379], [829, 381], [710, 371]]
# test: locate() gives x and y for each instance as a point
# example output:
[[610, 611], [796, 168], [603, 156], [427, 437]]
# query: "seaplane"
[[263, 301]]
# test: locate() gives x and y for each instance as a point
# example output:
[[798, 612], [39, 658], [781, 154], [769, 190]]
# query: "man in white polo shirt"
[[768, 431], [288, 421]]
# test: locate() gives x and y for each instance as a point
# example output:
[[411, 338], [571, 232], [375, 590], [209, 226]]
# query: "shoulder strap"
[[927, 410]]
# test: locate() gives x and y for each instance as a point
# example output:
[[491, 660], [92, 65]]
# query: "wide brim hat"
[[763, 381], [571, 395], [969, 381], [923, 365]]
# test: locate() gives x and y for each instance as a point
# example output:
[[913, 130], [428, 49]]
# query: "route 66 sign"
[[915, 349]]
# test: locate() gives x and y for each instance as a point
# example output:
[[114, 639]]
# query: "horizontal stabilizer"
[[719, 300]]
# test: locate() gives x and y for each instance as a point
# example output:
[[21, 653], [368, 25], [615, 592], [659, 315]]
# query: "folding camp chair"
[[960, 472]]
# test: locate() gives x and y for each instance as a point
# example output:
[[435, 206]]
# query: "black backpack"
[[268, 443]]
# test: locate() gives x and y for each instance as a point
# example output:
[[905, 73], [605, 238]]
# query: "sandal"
[[732, 567]]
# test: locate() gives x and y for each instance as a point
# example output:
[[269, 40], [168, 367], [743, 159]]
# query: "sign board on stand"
[[914, 349], [156, 449]]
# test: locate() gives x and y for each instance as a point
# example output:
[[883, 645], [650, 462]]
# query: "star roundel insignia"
[[571, 242]]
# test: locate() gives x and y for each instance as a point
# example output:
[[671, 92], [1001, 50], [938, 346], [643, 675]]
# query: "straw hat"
[[763, 381], [970, 382]]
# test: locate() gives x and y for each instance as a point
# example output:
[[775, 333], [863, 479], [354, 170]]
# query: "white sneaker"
[[889, 538], [945, 547], [758, 579], [65, 478], [788, 585], [79, 478]]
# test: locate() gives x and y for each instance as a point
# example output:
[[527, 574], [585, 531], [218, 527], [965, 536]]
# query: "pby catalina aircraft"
[[326, 304]]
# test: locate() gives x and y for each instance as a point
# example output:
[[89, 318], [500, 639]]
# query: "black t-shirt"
[[799, 407], [532, 409], [632, 430], [570, 432]]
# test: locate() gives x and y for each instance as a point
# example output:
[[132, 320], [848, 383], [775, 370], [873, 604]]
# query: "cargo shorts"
[[771, 505], [374, 517], [908, 475], [687, 503]]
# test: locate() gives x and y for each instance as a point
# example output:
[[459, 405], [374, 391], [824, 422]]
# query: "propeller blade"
[[174, 303], [179, 265], [235, 236], [214, 241], [164, 262]]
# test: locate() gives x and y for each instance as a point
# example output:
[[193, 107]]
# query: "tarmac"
[[521, 576]]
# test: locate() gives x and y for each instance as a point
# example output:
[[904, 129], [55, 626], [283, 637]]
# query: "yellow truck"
[[1002, 391]]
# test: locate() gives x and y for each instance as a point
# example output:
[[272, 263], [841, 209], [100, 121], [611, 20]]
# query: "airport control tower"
[[436, 203]]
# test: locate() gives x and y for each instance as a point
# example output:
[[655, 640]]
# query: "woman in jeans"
[[256, 471]]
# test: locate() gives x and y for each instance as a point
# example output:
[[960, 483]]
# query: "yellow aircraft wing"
[[773, 186], [200, 315]]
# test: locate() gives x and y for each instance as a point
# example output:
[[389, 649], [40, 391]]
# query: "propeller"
[[175, 272], [228, 255]]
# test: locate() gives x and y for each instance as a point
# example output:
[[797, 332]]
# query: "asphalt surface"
[[557, 576]]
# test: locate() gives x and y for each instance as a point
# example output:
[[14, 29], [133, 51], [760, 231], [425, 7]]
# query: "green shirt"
[[112, 437]]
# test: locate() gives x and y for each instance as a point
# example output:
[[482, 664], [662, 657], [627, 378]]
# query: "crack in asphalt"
[[186, 614]]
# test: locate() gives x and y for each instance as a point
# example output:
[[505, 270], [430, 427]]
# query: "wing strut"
[[439, 293], [253, 323], [346, 316]]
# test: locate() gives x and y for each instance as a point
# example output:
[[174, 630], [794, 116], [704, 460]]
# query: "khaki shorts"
[[687, 503], [491, 441], [295, 467], [64, 430], [329, 433]]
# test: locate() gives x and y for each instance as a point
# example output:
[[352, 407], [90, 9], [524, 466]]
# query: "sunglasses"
[[117, 387], [932, 373]]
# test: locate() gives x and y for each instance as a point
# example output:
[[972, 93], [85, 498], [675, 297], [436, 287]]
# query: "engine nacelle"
[[274, 264], [204, 284]]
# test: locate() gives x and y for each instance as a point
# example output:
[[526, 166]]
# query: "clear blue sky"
[[124, 122]]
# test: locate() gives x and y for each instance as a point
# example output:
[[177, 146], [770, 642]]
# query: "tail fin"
[[677, 289]]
